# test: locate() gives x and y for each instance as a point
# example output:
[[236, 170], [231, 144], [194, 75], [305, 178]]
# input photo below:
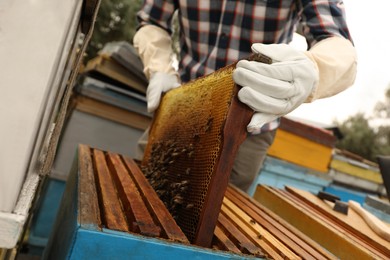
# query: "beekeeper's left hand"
[[274, 90]]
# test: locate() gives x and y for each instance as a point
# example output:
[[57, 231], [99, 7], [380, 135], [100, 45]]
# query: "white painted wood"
[[11, 227], [12, 224], [348, 179], [25, 197], [37, 48], [33, 35]]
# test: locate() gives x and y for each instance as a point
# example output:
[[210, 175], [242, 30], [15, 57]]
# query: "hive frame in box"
[[86, 228], [99, 218]]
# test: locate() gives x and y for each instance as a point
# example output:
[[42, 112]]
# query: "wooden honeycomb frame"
[[202, 123]]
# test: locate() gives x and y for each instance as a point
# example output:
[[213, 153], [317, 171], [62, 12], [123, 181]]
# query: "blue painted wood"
[[346, 194], [70, 240], [111, 245], [64, 230], [46, 212], [278, 173], [378, 213]]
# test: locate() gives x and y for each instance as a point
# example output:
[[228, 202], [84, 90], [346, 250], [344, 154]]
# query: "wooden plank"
[[358, 238], [354, 170], [138, 216], [238, 115], [88, 198], [309, 132], [376, 224], [290, 236], [223, 242], [169, 227], [351, 222], [111, 69], [327, 236], [116, 114], [112, 209], [302, 151], [256, 233], [242, 242]]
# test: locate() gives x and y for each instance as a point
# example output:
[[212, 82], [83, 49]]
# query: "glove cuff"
[[155, 50], [169, 80], [336, 61]]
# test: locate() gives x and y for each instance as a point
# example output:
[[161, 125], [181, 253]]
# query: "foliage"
[[116, 21], [364, 140], [382, 109], [359, 137]]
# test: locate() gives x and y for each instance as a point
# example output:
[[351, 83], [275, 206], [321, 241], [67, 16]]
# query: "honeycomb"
[[185, 141]]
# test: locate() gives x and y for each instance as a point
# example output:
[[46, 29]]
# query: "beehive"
[[192, 144], [109, 210]]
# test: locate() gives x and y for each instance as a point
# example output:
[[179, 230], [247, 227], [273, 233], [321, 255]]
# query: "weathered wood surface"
[[290, 236], [234, 134], [110, 205], [352, 223], [88, 198], [309, 132], [244, 243], [161, 214], [301, 151], [138, 216], [252, 223], [222, 241], [115, 194], [339, 240], [372, 221]]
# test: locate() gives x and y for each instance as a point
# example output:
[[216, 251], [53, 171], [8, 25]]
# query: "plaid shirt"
[[216, 33]]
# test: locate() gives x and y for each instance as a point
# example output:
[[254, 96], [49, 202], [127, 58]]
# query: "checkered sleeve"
[[322, 19], [157, 12]]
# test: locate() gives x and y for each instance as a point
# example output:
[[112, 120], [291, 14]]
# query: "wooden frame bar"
[[115, 194], [314, 225]]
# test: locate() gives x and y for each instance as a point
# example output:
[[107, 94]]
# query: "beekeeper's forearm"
[[154, 47], [336, 61]]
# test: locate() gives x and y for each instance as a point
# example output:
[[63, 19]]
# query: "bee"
[[209, 124], [189, 206], [178, 199]]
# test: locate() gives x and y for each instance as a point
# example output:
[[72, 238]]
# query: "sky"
[[368, 25]]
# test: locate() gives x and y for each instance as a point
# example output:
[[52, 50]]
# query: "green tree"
[[382, 112], [359, 137], [382, 108], [363, 139], [116, 21]]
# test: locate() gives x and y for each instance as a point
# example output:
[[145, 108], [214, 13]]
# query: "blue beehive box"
[[279, 173], [77, 234]]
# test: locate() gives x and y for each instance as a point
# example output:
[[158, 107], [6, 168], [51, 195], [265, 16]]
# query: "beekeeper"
[[217, 33]]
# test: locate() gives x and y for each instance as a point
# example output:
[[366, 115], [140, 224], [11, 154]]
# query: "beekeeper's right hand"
[[154, 47], [159, 83]]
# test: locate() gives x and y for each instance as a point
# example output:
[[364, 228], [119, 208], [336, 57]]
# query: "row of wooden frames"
[[347, 236], [116, 195]]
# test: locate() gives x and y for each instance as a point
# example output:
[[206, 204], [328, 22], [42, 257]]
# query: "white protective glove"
[[159, 83], [274, 90], [154, 47]]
